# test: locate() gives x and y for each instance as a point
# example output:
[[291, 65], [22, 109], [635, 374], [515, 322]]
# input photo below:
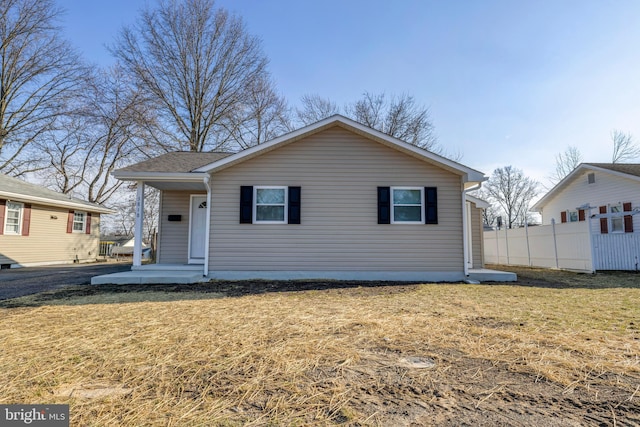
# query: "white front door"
[[197, 229]]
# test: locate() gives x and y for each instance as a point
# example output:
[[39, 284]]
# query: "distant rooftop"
[[14, 188], [628, 168]]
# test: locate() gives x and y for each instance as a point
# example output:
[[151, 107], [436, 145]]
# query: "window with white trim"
[[13, 218], [617, 222], [270, 205], [79, 221], [573, 216], [407, 205]]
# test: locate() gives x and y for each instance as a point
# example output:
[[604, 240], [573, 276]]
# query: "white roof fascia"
[[478, 202], [469, 174], [160, 176], [537, 207], [53, 202]]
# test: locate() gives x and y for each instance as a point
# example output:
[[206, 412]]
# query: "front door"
[[197, 229]]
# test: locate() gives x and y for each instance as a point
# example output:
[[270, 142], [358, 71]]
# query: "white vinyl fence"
[[616, 251], [564, 246]]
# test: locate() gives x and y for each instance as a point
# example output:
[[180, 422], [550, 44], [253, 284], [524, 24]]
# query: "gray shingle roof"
[[176, 162], [10, 186], [628, 168]]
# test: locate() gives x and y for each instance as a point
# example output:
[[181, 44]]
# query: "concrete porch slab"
[[485, 275], [147, 277], [168, 267]]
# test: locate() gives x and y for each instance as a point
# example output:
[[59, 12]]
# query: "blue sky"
[[507, 82]]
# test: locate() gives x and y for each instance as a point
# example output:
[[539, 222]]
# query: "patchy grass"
[[556, 348]]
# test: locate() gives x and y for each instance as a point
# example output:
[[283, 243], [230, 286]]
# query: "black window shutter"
[[430, 205], [384, 205], [294, 205], [246, 204]]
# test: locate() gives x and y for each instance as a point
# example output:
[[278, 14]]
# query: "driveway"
[[17, 282]]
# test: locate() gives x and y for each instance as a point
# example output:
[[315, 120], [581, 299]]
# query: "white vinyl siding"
[[48, 241], [13, 218], [339, 172], [607, 190]]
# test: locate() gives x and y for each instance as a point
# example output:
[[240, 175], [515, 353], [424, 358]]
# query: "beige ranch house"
[[334, 200], [39, 226]]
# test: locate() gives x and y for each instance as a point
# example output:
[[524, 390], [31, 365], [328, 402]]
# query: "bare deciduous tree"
[[565, 163], [315, 108], [624, 149], [38, 72], [399, 117], [198, 64], [264, 117], [123, 222], [490, 214], [103, 134], [512, 191]]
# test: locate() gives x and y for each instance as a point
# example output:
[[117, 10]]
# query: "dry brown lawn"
[[556, 348]]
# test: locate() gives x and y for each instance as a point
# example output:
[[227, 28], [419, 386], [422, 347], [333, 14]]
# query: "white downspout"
[[207, 226], [465, 240], [137, 234]]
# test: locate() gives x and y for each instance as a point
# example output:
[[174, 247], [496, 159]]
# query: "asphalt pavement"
[[17, 282]]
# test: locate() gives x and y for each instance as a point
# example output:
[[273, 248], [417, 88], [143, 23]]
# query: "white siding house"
[[591, 222]]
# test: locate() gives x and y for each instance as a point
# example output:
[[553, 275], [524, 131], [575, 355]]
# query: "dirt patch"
[[91, 390], [555, 349]]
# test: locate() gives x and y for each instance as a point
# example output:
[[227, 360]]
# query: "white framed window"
[[79, 221], [270, 205], [616, 223], [573, 216], [407, 205], [13, 218]]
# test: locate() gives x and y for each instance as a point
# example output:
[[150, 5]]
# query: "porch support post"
[[465, 254], [137, 234], [207, 226]]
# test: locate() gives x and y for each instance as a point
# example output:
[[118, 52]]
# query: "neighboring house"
[[607, 190], [335, 199], [590, 219], [40, 226]]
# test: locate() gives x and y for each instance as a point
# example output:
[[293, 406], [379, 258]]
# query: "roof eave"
[[160, 176], [52, 202]]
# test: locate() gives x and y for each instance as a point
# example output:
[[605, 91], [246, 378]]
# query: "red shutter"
[[26, 219], [3, 203], [88, 228], [604, 228], [628, 219], [70, 222], [580, 214], [563, 216]]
